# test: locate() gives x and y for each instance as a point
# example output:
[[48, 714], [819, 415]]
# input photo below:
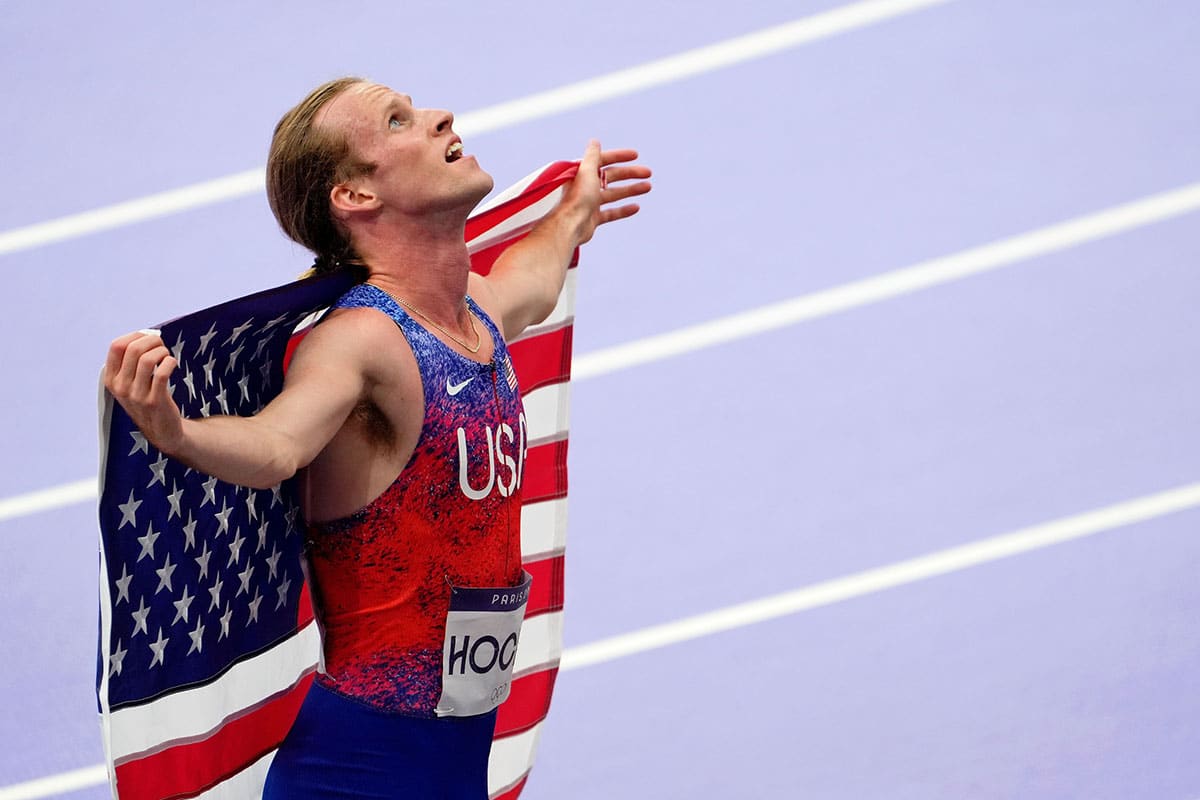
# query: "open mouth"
[[454, 152]]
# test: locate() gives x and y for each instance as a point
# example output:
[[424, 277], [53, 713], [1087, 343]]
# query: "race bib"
[[483, 627]]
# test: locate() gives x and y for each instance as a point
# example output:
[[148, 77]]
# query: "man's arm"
[[526, 279], [326, 379]]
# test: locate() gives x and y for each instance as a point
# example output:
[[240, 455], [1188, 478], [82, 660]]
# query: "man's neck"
[[423, 263]]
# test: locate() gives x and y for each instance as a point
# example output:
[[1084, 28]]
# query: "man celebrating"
[[402, 410]]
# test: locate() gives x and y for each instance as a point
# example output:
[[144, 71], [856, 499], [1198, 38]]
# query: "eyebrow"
[[395, 102]]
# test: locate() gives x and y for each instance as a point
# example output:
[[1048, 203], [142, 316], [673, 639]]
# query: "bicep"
[[327, 377]]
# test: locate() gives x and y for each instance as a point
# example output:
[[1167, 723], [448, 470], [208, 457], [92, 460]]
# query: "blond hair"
[[305, 163]]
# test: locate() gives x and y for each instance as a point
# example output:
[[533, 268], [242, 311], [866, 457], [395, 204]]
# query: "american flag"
[[207, 638]]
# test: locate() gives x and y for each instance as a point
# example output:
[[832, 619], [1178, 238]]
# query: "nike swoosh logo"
[[454, 388]]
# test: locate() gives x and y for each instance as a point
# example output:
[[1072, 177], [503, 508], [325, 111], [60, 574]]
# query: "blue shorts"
[[340, 748]]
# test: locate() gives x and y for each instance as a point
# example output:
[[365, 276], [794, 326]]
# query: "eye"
[[394, 122]]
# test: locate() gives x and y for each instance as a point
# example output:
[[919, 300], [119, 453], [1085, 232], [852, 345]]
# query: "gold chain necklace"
[[421, 314]]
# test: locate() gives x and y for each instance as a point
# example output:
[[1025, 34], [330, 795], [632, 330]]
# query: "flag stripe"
[[304, 611], [188, 769], [194, 713], [545, 472], [544, 360], [541, 643], [511, 757], [527, 703], [247, 783], [543, 528], [546, 411], [546, 591], [497, 216], [514, 792], [510, 219]]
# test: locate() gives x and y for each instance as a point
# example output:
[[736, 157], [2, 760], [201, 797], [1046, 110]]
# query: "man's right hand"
[[136, 374]]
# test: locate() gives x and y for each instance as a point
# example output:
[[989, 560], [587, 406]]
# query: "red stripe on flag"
[[545, 472], [512, 793], [483, 260], [304, 613], [188, 769], [546, 592], [542, 360], [527, 703], [292, 344]]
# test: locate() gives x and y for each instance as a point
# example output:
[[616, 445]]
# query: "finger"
[[146, 366], [159, 389], [620, 212], [634, 171], [116, 354], [614, 194], [617, 156], [134, 351]]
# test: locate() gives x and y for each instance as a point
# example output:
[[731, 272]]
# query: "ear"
[[352, 198]]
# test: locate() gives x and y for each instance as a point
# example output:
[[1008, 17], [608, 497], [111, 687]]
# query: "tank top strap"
[[430, 351], [366, 295]]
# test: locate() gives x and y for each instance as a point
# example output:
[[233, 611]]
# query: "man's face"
[[420, 167]]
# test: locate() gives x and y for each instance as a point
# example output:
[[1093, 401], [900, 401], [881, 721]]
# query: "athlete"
[[401, 414]]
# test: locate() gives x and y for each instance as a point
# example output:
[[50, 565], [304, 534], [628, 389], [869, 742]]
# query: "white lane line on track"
[[638, 78], [871, 581], [925, 275], [48, 499], [58, 784], [859, 584], [984, 258]]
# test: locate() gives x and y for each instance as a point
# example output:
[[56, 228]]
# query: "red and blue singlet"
[[382, 580]]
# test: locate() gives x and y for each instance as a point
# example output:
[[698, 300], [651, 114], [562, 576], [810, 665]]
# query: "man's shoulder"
[[356, 327]]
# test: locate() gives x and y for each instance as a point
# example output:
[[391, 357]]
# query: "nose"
[[444, 120]]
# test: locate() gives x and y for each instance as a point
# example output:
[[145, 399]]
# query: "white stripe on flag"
[[195, 713], [546, 413], [512, 192], [517, 223], [245, 784], [543, 528], [511, 758], [541, 643]]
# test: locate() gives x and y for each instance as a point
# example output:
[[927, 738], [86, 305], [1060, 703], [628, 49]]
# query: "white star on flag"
[[181, 606], [147, 543], [223, 518], [159, 648], [196, 636], [215, 592], [164, 575], [129, 511], [117, 659], [123, 585], [140, 616], [235, 550], [283, 591], [204, 340], [202, 560], [177, 349], [158, 471]]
